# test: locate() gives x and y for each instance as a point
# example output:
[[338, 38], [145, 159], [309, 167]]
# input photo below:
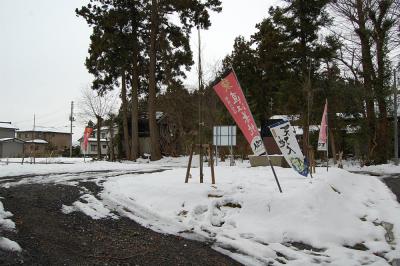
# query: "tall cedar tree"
[[191, 13], [302, 21], [124, 33], [111, 49]]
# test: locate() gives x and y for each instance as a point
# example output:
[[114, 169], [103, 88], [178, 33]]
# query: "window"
[[103, 135], [26, 135], [93, 147], [104, 146]]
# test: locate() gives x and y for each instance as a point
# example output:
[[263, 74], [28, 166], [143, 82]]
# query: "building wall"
[[11, 149], [145, 145], [60, 141], [92, 148], [38, 149], [7, 133], [271, 146]]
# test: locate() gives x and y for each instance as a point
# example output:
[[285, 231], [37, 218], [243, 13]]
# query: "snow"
[[243, 215], [382, 169], [95, 139], [90, 206], [68, 174], [9, 245], [6, 139], [286, 117], [299, 130], [46, 129], [37, 141], [9, 225], [245, 212], [5, 223], [53, 160], [7, 125]]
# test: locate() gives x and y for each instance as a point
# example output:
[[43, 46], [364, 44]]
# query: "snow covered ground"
[[382, 169], [336, 218], [52, 160], [7, 224]]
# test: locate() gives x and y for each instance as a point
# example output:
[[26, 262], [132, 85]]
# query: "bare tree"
[[98, 106], [368, 28]]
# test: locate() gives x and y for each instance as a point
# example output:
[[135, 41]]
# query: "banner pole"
[[327, 137], [273, 171], [266, 153]]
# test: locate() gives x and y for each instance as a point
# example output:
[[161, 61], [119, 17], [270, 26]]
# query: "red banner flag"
[[231, 94], [86, 136], [323, 132]]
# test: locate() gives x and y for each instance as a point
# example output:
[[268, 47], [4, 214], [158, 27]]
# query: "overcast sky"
[[43, 47]]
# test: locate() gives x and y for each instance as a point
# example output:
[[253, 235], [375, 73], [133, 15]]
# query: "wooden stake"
[[189, 164], [210, 152]]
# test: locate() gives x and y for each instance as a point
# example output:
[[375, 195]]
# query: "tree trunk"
[[154, 138], [332, 117], [111, 143], [332, 146], [383, 125], [135, 106], [331, 128], [125, 117], [98, 135], [367, 74], [306, 129]]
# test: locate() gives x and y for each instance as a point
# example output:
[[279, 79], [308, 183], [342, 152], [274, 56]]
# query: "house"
[[57, 140], [37, 147], [10, 146], [167, 132], [92, 148]]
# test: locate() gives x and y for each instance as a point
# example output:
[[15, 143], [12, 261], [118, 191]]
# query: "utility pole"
[[396, 137], [200, 108], [33, 139], [71, 119]]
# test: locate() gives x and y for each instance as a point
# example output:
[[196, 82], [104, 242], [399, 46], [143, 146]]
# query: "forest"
[[302, 53]]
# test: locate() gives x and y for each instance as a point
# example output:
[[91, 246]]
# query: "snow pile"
[[90, 206], [337, 217], [46, 160], [7, 171], [7, 224], [382, 169]]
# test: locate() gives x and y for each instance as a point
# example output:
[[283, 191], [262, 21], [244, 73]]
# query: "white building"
[[92, 148]]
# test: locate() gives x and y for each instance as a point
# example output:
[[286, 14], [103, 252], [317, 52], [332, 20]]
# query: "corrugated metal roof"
[[37, 141], [46, 129], [7, 125], [5, 139], [11, 139]]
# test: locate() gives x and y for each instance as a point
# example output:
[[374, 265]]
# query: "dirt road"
[[49, 237]]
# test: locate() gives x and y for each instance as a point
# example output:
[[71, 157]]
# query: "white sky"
[[43, 47]]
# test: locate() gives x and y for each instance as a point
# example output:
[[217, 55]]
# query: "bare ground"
[[49, 237]]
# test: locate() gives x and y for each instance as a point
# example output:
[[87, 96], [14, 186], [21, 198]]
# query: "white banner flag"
[[285, 137]]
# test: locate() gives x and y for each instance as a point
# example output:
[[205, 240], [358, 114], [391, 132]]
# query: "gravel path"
[[394, 184], [49, 237], [391, 180]]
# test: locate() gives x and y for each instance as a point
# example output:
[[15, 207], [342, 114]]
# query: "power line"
[[46, 115]]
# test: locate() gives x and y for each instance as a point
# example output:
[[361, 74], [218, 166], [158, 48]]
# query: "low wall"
[[277, 160]]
